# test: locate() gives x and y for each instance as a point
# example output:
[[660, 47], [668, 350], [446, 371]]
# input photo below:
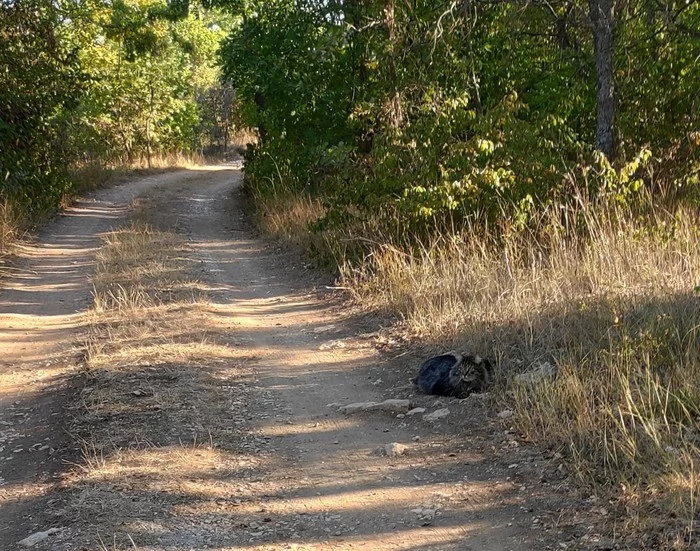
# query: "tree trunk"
[[602, 15]]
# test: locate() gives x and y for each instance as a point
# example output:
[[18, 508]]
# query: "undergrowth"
[[9, 227]]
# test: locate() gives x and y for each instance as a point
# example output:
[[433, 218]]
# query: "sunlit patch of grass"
[[288, 216], [177, 469], [147, 308], [159, 414]]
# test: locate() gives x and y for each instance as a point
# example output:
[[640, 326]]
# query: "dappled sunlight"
[[227, 167], [384, 496], [115, 355], [26, 339], [181, 469], [30, 322], [307, 428], [208, 413], [19, 491], [409, 538], [32, 377]]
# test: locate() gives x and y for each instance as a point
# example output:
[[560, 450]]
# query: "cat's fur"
[[453, 374]]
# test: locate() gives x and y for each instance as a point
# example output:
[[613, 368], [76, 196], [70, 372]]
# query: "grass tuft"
[[288, 217], [9, 227]]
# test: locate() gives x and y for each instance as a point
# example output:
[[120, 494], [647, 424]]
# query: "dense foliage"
[[40, 81], [93, 81], [438, 110]]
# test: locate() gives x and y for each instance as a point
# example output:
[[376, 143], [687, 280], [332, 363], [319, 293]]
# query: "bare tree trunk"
[[602, 13]]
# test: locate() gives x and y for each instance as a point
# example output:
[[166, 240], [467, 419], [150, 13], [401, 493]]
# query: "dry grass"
[[171, 160], [92, 175], [9, 227], [608, 297], [287, 216], [242, 137], [159, 414], [614, 305], [150, 323]]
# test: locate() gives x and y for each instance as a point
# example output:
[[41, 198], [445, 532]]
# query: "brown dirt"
[[242, 451]]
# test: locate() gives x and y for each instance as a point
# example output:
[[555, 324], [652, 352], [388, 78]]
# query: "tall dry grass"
[[287, 216], [9, 227], [607, 295], [611, 299]]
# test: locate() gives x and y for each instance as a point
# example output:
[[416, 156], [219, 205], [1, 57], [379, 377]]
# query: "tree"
[[602, 14], [93, 81], [41, 83]]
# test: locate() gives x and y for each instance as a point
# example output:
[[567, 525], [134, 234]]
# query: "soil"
[[276, 464]]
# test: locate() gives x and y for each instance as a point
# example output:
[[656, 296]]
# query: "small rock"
[[415, 411], [394, 449], [436, 415], [478, 396], [505, 414], [35, 538], [330, 345], [425, 514]]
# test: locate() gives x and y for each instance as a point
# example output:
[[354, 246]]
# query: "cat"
[[455, 375]]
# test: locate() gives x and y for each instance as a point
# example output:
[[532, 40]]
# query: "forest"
[[519, 175]]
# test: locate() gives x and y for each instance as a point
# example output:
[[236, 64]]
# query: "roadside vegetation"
[[90, 89], [521, 180]]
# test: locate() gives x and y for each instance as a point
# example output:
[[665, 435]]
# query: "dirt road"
[[282, 468]]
